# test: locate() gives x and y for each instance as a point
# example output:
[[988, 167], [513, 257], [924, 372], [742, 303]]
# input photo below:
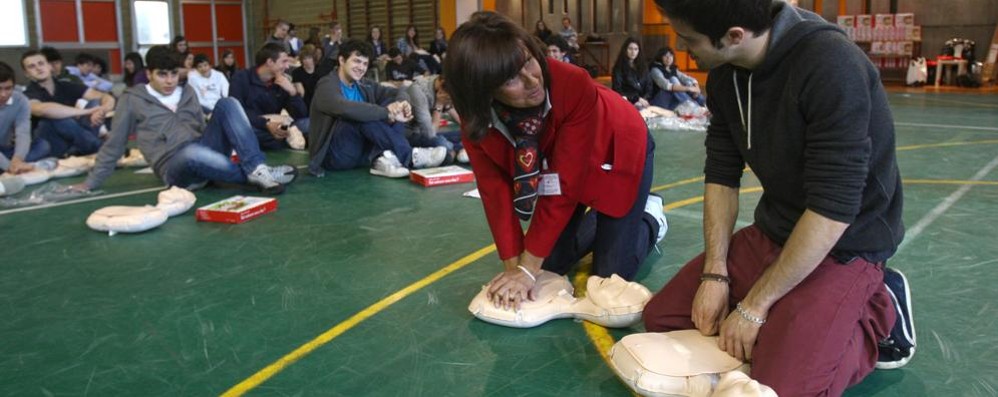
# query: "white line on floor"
[[965, 127], [948, 202], [82, 200]]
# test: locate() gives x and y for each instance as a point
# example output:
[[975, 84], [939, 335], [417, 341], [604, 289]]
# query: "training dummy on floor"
[[682, 363], [610, 302], [131, 219]]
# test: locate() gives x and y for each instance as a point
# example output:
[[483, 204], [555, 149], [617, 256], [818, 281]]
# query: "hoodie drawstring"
[[746, 124]]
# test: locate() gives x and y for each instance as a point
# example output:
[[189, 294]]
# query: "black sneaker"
[[899, 347]]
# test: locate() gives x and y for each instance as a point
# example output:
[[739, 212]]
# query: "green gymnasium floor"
[[358, 285]]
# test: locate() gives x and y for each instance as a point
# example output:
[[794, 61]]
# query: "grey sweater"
[[329, 106], [15, 117], [422, 98], [159, 131]]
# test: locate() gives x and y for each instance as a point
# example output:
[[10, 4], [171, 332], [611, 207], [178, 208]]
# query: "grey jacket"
[[15, 127], [159, 131], [329, 106], [422, 98]]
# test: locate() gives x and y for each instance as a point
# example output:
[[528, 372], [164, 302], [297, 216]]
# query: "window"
[[13, 26], [152, 22]]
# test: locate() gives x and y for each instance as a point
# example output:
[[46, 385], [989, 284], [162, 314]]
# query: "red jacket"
[[589, 128]]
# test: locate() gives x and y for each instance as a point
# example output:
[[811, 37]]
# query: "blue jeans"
[[358, 144], [619, 245], [671, 100], [69, 136], [39, 149], [207, 159], [268, 142]]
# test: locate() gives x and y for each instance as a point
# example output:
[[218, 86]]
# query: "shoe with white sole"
[[387, 165], [424, 157]]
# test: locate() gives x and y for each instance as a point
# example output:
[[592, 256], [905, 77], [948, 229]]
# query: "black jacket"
[[628, 82], [817, 132]]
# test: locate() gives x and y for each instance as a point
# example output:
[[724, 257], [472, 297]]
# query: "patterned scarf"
[[525, 125]]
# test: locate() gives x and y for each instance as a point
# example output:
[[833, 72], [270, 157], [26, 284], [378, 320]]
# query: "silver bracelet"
[[748, 316], [527, 272]]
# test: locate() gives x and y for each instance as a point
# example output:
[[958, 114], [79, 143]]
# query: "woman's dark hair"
[[225, 69], [176, 40], [415, 37], [713, 18], [370, 37], [488, 50], [163, 58], [136, 59], [640, 66], [661, 53]]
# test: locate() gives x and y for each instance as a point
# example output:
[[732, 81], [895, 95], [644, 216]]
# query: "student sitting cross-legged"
[[183, 149], [359, 123]]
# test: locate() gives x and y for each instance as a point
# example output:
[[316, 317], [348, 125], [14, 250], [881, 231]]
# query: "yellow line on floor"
[[597, 334], [272, 369], [600, 336]]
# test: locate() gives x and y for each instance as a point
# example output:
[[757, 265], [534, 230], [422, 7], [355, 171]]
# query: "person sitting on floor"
[[359, 123], [429, 103], [54, 57], [672, 87], [209, 84], [630, 76], [402, 69], [86, 70], [558, 49], [173, 136], [17, 148], [67, 115], [264, 91]]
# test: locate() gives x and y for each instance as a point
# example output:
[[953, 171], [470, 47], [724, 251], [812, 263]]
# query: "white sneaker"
[[387, 165], [296, 139], [283, 174], [263, 178], [655, 207], [424, 157], [462, 156]]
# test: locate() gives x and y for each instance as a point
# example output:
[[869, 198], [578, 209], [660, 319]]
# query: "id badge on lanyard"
[[550, 183]]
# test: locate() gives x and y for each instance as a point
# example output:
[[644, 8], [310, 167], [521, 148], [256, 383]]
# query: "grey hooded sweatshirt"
[[159, 131]]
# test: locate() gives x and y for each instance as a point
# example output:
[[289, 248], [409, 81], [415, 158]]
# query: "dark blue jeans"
[[268, 142], [619, 245], [358, 144], [69, 136], [208, 159], [39, 149], [671, 100]]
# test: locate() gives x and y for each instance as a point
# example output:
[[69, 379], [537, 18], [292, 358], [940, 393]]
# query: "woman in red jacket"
[[546, 142]]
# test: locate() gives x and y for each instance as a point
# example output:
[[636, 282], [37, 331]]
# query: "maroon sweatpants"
[[819, 339]]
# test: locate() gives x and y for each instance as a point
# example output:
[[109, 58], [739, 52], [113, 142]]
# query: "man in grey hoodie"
[[803, 293], [173, 136], [357, 123]]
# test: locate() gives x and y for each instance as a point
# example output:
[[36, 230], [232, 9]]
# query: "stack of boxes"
[[889, 39]]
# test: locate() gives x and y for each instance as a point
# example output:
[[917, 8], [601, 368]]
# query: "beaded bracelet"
[[749, 316], [715, 277]]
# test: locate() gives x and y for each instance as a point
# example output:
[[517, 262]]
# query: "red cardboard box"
[[236, 209], [441, 176]]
